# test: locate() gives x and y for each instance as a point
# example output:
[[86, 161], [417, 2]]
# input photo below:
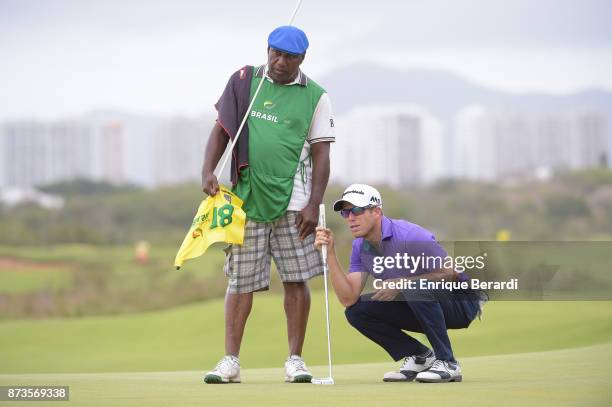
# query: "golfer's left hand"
[[306, 221], [385, 294]]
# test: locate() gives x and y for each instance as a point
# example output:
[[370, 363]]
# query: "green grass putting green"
[[191, 337], [570, 377]]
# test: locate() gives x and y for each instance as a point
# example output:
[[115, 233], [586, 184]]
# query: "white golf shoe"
[[296, 370], [226, 371], [410, 367], [442, 371]]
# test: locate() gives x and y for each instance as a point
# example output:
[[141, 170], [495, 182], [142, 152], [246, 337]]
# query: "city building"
[[179, 149], [39, 153], [393, 145], [493, 143], [111, 153]]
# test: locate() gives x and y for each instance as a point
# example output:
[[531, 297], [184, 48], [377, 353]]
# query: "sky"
[[63, 58]]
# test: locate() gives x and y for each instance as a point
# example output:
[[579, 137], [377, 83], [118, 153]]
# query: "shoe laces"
[[407, 360], [438, 365], [412, 358], [297, 363], [227, 363]]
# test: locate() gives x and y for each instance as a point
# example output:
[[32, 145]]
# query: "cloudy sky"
[[66, 57]]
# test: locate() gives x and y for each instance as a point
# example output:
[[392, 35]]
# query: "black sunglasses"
[[355, 210]]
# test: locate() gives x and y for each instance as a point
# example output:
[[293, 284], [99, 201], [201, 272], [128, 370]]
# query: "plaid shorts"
[[248, 266]]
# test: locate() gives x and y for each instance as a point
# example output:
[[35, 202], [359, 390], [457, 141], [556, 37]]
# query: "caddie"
[[280, 169]]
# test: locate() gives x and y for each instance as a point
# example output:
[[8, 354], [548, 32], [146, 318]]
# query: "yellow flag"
[[220, 218]]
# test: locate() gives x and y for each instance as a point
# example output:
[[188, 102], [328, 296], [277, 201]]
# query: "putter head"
[[326, 381]]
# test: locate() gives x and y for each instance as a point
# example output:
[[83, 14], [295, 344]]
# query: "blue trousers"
[[428, 312]]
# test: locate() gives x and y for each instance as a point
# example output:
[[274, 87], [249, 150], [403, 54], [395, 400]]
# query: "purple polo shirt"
[[398, 237]]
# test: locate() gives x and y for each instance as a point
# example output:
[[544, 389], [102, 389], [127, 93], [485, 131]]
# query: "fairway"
[[571, 377], [191, 337]]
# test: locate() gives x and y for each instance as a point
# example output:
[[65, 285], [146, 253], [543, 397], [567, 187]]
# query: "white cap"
[[361, 195]]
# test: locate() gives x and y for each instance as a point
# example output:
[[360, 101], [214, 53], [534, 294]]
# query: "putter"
[[325, 380]]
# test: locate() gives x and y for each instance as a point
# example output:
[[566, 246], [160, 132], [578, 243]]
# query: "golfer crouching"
[[384, 315]]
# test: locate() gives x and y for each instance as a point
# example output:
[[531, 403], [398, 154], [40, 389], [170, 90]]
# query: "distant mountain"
[[444, 93]]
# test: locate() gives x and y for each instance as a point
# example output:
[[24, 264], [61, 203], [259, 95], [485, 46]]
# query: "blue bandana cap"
[[289, 39]]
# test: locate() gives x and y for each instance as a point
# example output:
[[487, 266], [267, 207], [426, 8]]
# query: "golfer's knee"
[[355, 313]]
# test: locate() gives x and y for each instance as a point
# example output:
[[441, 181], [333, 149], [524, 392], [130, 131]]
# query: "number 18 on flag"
[[220, 218]]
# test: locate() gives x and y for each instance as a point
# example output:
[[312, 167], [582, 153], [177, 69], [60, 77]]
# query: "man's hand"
[[324, 237], [307, 220], [386, 294], [210, 184]]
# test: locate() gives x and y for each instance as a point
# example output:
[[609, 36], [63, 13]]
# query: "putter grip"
[[322, 224], [322, 215]]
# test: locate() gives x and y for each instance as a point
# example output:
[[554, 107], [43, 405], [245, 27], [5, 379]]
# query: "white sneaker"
[[442, 371], [296, 370], [410, 367], [226, 371]]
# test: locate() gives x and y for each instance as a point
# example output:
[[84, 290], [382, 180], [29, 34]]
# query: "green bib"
[[278, 122]]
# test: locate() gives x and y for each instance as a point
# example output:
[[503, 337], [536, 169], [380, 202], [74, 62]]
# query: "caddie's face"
[[361, 224], [283, 67]]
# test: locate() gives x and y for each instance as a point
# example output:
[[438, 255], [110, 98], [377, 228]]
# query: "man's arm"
[[309, 216], [217, 142], [348, 287]]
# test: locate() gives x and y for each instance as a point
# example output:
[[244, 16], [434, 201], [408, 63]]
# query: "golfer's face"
[[360, 224]]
